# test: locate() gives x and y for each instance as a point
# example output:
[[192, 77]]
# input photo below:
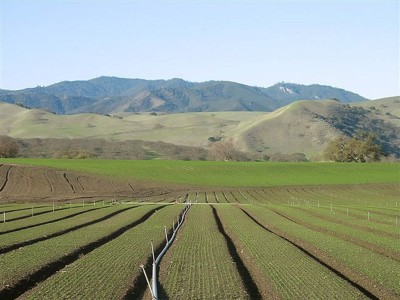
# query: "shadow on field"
[[162, 294]]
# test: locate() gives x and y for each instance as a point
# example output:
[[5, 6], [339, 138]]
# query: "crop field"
[[227, 174], [291, 240]]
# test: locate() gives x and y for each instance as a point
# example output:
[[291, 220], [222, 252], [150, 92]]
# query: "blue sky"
[[349, 44]]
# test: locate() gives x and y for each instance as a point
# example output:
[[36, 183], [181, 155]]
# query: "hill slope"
[[303, 126], [299, 127], [107, 95]]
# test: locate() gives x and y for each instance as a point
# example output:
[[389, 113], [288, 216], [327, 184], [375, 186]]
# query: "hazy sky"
[[349, 44]]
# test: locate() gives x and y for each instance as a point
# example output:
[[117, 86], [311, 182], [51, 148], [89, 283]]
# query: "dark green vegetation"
[[106, 95], [361, 148]]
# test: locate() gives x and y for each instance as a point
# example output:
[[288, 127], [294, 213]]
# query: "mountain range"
[[109, 95]]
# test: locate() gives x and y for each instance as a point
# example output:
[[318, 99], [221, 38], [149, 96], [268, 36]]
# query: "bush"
[[225, 151], [8, 147]]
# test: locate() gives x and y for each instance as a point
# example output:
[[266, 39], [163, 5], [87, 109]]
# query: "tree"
[[225, 151], [360, 148], [8, 147]]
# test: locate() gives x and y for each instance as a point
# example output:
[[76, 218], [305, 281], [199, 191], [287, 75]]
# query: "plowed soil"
[[20, 183]]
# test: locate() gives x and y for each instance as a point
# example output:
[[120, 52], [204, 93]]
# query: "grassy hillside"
[[191, 129], [383, 106], [229, 174], [301, 127]]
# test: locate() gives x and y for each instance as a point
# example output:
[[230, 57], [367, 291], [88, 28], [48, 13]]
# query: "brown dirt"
[[20, 183]]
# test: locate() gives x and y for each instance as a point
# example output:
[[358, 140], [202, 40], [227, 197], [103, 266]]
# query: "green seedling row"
[[22, 262], [376, 267], [199, 266], [48, 217], [354, 218], [290, 271], [53, 228], [111, 270], [357, 235]]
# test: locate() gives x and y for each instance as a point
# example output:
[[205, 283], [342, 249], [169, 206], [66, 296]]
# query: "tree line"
[[362, 147]]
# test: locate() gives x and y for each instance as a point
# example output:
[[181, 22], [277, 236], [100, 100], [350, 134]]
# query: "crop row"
[[36, 221], [385, 244], [39, 233], [292, 273], [378, 273], [367, 219], [23, 265], [112, 270], [383, 196], [198, 265]]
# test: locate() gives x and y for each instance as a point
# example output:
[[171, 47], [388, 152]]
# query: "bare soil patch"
[[19, 183]]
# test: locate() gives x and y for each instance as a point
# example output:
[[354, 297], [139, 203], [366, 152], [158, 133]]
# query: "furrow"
[[59, 233], [80, 183], [36, 214], [7, 178], [234, 197], [379, 292], [139, 286], [352, 225], [244, 273], [364, 244], [19, 209], [46, 271], [69, 182], [216, 197], [49, 222], [51, 185], [226, 198]]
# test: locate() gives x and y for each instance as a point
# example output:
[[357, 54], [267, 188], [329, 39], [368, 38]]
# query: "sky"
[[352, 44]]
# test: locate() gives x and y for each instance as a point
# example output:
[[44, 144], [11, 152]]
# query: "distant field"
[[228, 174]]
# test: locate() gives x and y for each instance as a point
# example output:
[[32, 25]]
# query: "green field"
[[254, 231], [229, 174]]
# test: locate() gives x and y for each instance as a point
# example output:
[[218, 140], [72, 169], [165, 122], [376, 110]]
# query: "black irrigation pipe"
[[244, 273], [56, 234], [337, 272], [46, 271]]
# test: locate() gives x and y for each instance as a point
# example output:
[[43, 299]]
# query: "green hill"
[[301, 127], [298, 127]]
